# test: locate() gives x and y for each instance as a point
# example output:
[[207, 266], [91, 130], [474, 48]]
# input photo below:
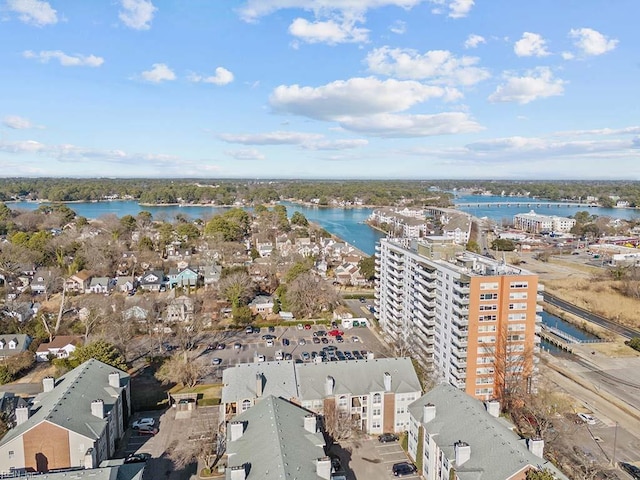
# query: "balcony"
[[538, 318], [460, 321], [540, 287], [459, 363], [539, 298], [460, 310], [539, 308], [459, 353], [459, 373], [461, 289], [460, 342]]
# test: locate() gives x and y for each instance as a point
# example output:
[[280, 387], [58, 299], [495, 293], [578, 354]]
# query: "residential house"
[[374, 394], [13, 344], [262, 305], [100, 285], [78, 420], [349, 274], [124, 284], [264, 248], [21, 311], [276, 439], [78, 282], [180, 309], [41, 281], [136, 313], [174, 252], [460, 438], [61, 346], [153, 281], [210, 274], [185, 277]]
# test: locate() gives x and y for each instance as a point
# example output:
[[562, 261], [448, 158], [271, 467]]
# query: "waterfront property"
[[471, 319], [534, 223]]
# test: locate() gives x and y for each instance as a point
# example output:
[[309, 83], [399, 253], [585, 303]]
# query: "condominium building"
[[371, 395], [535, 223], [455, 437], [470, 319]]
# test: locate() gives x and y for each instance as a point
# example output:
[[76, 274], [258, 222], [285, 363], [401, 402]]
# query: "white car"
[[260, 358], [143, 423], [270, 343], [586, 418]]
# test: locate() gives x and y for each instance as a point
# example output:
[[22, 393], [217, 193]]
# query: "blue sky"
[[320, 88]]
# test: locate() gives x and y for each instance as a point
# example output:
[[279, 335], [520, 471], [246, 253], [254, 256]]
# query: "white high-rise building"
[[471, 319]]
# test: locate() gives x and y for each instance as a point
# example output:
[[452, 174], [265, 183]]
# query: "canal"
[[566, 327]]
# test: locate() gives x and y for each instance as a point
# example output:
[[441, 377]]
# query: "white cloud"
[[330, 32], [635, 130], [439, 66], [137, 14], [474, 40], [221, 77], [271, 138], [398, 27], [33, 12], [460, 8], [531, 45], [392, 125], [353, 97], [592, 42], [252, 10], [536, 84], [17, 123], [249, 154], [65, 60], [567, 55], [159, 72], [345, 144]]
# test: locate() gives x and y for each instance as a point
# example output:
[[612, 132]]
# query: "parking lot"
[[295, 343], [369, 459], [174, 428]]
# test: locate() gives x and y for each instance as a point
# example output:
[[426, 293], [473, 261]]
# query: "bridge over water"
[[525, 203]]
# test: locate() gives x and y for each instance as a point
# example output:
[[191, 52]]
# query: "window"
[[488, 296], [484, 391], [489, 286], [519, 285], [518, 296], [375, 412], [517, 316], [487, 339], [246, 405], [377, 398], [486, 328], [517, 327], [486, 308], [342, 401], [487, 318], [517, 306], [11, 454], [375, 424]]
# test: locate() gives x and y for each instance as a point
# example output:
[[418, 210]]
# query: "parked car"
[[316, 340], [586, 418], [302, 341], [260, 358], [307, 326], [149, 430], [319, 333], [336, 466], [388, 437], [300, 326], [143, 422], [403, 468], [305, 356], [285, 342], [339, 339], [355, 339], [630, 469], [137, 458], [248, 330], [324, 340], [237, 346], [288, 356], [335, 332], [220, 346], [216, 361], [271, 329], [362, 300], [268, 337], [269, 342]]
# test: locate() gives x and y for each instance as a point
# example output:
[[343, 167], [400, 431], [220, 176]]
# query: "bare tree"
[[309, 295], [181, 369], [208, 448], [338, 422]]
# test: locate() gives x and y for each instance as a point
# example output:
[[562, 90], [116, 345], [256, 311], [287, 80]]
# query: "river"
[[348, 224]]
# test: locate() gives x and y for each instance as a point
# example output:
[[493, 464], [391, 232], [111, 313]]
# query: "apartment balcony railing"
[[459, 342], [539, 298], [459, 352], [461, 289], [459, 363], [460, 310], [428, 321], [540, 287], [539, 308], [458, 374], [460, 321], [538, 318]]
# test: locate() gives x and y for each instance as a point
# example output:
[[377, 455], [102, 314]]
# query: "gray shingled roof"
[[306, 381], [496, 451], [129, 471], [356, 377], [240, 381], [69, 403], [276, 443]]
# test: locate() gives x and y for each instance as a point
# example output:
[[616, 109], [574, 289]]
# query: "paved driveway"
[[369, 459]]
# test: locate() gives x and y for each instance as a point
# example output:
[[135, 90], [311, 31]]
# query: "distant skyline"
[[353, 89]]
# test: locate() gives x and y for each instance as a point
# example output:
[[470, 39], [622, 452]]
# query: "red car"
[[335, 333], [307, 327]]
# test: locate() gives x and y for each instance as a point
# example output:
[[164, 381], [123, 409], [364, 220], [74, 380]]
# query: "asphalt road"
[[591, 317]]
